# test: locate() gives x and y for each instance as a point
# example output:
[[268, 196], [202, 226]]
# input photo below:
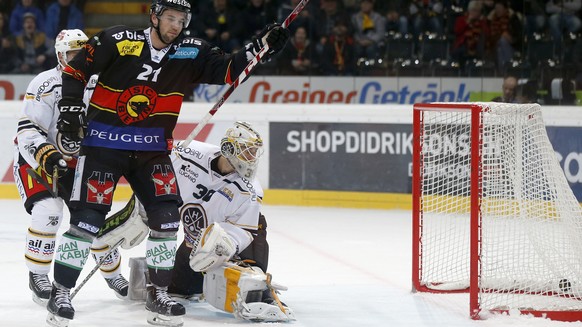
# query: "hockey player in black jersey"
[[127, 132]]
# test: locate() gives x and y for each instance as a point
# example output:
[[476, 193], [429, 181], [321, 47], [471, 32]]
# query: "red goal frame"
[[476, 121]]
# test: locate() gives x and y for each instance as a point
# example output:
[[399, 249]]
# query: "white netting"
[[531, 223]]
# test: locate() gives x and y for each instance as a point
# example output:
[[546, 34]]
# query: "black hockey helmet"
[[158, 7]]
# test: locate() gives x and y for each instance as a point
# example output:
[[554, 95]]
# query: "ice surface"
[[343, 267]]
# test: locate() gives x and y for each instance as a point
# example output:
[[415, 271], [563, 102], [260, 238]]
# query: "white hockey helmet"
[[242, 146], [69, 40]]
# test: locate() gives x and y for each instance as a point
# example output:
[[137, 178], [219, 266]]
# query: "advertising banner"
[[340, 156], [377, 157], [358, 90], [567, 142]]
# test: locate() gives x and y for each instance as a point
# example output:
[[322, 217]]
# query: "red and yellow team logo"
[[136, 103]]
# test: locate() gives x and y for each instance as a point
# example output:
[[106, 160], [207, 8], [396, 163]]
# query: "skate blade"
[[121, 297], [161, 320], [56, 321], [40, 301]]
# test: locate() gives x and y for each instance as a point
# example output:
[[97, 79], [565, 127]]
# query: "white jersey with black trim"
[[38, 121], [232, 201]]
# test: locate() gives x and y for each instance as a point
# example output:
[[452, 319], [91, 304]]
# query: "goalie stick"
[[241, 77]]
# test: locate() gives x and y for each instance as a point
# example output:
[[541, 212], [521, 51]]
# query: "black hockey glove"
[[49, 158], [71, 123], [275, 36]]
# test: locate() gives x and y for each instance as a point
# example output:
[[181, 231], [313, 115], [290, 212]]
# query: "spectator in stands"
[[506, 33], [369, 31], [331, 11], [32, 46], [396, 16], [526, 92], [6, 7], [534, 15], [62, 14], [254, 17], [426, 16], [508, 89], [217, 24], [9, 60], [298, 56], [471, 35], [338, 56], [17, 16], [563, 15]]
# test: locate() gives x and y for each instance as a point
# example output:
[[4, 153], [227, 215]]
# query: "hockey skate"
[[118, 284], [59, 306], [163, 311], [41, 287]]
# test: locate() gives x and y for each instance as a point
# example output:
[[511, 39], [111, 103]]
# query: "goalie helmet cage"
[[493, 214]]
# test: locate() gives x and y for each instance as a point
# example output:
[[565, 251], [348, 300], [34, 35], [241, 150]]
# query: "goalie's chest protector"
[[217, 197]]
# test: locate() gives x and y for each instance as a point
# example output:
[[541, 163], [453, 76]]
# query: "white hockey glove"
[[129, 224], [239, 290], [212, 248]]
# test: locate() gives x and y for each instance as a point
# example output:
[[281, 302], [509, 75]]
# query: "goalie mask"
[[68, 40], [158, 7], [242, 146]]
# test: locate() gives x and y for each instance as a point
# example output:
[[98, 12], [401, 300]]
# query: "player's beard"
[[167, 38]]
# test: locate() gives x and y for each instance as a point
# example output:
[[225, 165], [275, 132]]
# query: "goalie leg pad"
[[138, 279], [232, 288], [129, 224], [226, 284]]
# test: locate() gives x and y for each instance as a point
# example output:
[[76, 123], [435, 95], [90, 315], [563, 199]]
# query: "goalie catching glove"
[[275, 35], [49, 158], [212, 248], [72, 122]]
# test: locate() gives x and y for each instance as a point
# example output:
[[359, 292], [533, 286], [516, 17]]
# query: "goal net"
[[493, 213]]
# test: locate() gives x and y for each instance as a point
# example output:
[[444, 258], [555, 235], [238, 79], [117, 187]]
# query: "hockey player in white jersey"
[[224, 230], [37, 159]]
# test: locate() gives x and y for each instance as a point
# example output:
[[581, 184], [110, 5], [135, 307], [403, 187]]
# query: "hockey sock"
[[160, 256], [111, 266], [46, 216], [72, 253], [40, 249]]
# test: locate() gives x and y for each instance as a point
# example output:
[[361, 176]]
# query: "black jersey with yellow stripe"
[[137, 99]]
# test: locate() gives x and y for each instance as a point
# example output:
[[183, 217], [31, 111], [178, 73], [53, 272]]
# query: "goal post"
[[493, 214]]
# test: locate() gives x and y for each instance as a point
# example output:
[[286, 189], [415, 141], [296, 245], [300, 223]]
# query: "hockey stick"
[[97, 266], [241, 77], [55, 178], [41, 181]]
